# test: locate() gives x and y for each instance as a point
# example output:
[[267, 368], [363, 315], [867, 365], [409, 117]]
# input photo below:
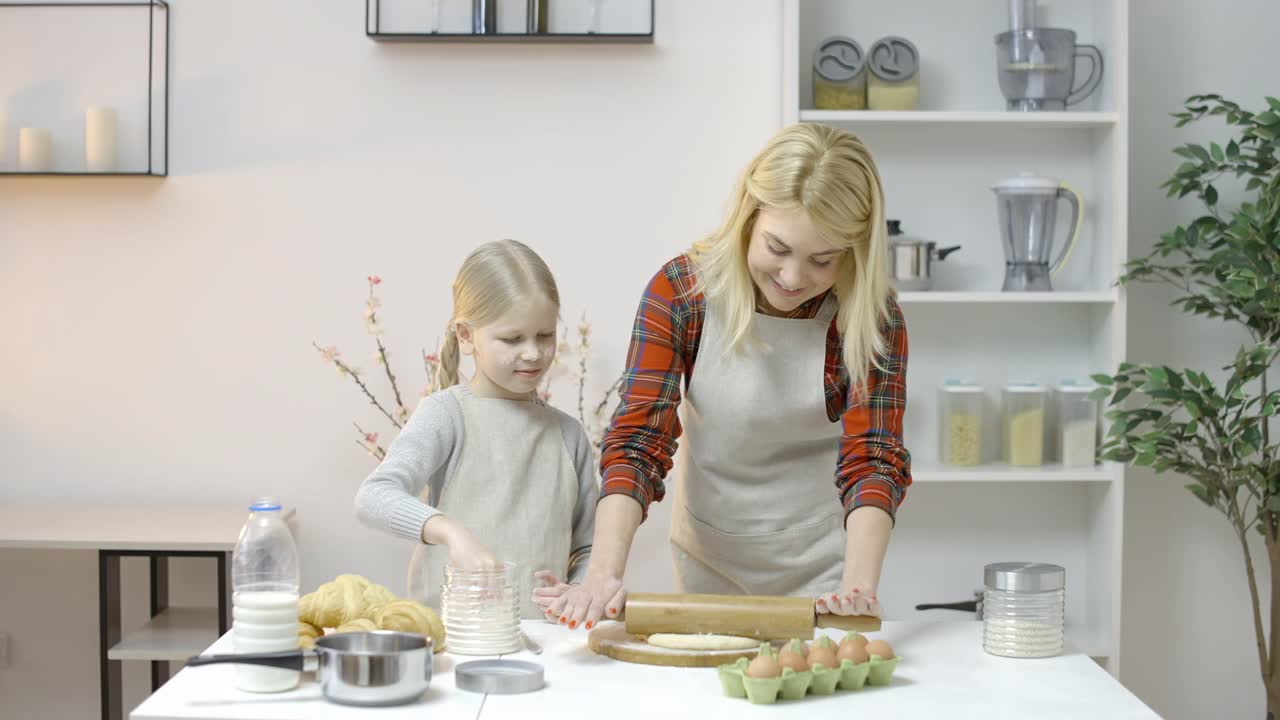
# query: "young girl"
[[783, 332], [486, 472]]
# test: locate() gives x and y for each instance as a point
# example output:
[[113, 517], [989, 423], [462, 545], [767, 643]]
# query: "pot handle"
[[287, 660], [967, 605], [942, 253]]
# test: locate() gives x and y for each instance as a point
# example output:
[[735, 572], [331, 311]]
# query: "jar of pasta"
[[960, 423], [839, 75], [1024, 410], [893, 79]]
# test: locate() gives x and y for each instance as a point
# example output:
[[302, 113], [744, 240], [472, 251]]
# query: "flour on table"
[[681, 641]]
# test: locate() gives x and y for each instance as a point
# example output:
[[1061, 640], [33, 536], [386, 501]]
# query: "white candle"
[[100, 139], [35, 150]]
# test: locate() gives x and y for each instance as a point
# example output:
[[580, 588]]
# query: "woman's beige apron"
[[756, 508]]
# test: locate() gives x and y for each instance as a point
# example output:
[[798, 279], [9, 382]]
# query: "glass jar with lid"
[[839, 75], [1023, 609], [960, 416], [1024, 412], [1077, 424]]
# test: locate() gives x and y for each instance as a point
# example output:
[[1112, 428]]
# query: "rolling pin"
[[767, 618]]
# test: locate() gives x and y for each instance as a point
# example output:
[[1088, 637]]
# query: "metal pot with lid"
[[378, 667], [911, 259]]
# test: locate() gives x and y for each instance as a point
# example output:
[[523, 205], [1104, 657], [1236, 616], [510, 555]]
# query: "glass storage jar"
[[1023, 609]]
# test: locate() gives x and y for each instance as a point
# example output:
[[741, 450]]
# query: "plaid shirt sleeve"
[[637, 451], [874, 467]]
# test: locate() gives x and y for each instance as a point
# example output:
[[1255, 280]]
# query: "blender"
[[1036, 65], [1027, 208]]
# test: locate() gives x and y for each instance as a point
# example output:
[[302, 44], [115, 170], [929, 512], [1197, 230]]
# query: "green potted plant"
[[1216, 431]]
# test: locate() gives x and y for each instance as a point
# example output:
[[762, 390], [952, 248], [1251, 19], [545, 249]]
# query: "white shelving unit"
[[938, 164], [1061, 297]]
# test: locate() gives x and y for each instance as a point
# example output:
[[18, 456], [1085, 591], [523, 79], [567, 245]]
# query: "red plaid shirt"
[[873, 467]]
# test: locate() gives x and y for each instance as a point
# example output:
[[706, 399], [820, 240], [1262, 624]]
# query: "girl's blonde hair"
[[829, 174], [494, 278]]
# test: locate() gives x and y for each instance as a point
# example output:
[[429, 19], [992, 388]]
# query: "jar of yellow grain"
[[1024, 411], [839, 75], [893, 74], [960, 414]]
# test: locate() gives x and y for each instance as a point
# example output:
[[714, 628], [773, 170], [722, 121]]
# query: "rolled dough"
[[681, 641]]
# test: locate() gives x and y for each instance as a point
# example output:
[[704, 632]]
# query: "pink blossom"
[[432, 358], [371, 437], [374, 280]]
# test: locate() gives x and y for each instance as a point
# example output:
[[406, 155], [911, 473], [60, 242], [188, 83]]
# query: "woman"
[[800, 353]]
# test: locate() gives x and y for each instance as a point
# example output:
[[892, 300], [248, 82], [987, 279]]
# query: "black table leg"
[[109, 634], [224, 593], [159, 603]]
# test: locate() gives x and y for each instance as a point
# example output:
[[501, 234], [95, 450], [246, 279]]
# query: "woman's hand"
[[599, 595], [849, 601], [550, 590]]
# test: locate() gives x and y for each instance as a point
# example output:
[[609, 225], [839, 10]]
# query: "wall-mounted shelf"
[[1062, 297], [999, 472], [377, 28], [962, 117], [150, 158]]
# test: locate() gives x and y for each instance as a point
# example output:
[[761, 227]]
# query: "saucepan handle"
[[287, 660]]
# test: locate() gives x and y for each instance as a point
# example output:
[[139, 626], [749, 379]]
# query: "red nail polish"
[[573, 624], [613, 611], [589, 624]]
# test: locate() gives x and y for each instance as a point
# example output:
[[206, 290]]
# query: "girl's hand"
[[583, 605], [849, 601], [465, 551], [468, 553]]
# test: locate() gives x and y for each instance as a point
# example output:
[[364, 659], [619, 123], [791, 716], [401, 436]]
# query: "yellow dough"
[[350, 602], [332, 604], [357, 625], [680, 641], [413, 617]]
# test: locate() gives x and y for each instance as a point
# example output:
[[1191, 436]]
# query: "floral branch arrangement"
[[397, 413]]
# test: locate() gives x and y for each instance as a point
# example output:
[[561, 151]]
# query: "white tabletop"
[[943, 672], [206, 528]]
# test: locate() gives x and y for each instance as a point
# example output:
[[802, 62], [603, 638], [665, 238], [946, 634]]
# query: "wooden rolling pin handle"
[[860, 623]]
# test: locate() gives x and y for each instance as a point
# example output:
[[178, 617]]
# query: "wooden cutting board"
[[611, 639]]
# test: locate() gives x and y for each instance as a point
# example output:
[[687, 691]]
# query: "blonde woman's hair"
[[494, 278], [829, 174]]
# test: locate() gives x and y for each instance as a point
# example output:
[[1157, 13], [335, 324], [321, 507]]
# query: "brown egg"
[[881, 648], [853, 648], [823, 652], [765, 665], [792, 656]]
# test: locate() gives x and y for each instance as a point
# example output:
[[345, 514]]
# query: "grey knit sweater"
[[402, 493]]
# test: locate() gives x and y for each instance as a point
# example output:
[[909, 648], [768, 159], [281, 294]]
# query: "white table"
[[157, 533], [943, 673]]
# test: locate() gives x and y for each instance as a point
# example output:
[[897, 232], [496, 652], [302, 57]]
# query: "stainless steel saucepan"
[[379, 667]]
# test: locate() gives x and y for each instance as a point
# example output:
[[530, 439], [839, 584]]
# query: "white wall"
[[157, 332], [1184, 590]]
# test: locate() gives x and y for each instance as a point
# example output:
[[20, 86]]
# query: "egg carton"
[[792, 685]]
